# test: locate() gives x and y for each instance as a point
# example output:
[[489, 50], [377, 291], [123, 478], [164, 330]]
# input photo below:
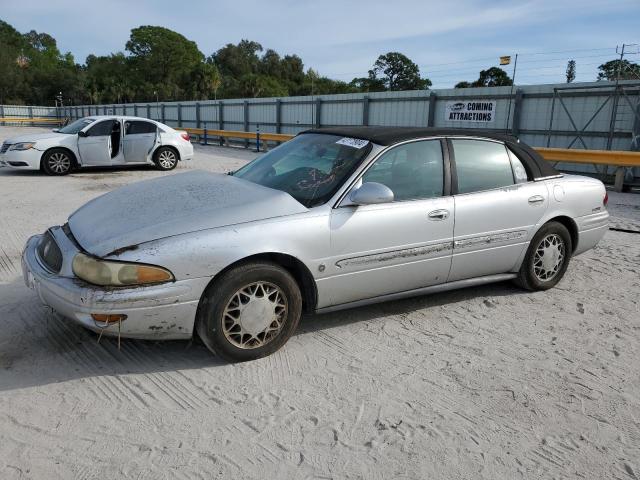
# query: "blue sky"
[[449, 40]]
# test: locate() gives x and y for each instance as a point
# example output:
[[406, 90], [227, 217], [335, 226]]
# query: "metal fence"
[[598, 115]]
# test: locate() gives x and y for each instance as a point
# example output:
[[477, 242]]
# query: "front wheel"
[[166, 158], [547, 258], [57, 161], [249, 312]]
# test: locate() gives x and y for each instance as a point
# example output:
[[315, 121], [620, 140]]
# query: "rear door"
[[496, 208], [139, 139], [95, 147], [398, 246]]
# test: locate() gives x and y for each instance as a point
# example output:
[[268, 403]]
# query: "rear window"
[[481, 165], [138, 127]]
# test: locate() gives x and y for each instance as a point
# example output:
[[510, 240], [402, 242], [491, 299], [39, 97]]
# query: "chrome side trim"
[[395, 254], [542, 179], [443, 287], [490, 239]]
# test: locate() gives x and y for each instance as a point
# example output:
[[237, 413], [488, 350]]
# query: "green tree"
[[255, 85], [571, 71], [163, 60], [12, 63], [493, 77], [215, 77], [463, 85], [367, 84], [397, 72], [620, 69]]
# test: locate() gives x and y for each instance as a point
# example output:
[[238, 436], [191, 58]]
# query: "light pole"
[[59, 104], [155, 92]]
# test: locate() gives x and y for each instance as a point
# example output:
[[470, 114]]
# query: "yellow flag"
[[506, 60]]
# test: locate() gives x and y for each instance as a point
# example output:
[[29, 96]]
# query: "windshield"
[[311, 167], [76, 126]]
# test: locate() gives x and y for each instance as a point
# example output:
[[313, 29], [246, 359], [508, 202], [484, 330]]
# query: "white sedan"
[[99, 141]]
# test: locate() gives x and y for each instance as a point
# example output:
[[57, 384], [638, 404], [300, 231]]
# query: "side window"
[[481, 165], [137, 127], [519, 172], [101, 129], [412, 171]]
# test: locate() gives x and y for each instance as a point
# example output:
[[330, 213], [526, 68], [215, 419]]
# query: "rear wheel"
[[57, 161], [165, 158], [547, 258], [250, 311]]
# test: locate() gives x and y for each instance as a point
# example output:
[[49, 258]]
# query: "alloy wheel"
[[167, 159], [59, 162]]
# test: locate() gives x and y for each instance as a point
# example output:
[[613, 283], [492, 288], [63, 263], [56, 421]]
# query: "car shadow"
[[39, 347]]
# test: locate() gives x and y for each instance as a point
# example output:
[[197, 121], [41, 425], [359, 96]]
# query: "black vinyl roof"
[[387, 136]]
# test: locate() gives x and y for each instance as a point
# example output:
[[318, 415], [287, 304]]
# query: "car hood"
[[174, 205], [34, 137]]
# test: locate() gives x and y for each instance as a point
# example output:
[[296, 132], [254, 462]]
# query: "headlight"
[[22, 146], [117, 274]]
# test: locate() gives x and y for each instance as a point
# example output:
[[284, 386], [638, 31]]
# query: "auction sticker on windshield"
[[353, 142]]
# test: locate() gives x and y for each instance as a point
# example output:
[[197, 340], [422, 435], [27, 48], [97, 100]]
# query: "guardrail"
[[261, 138], [612, 158], [32, 121]]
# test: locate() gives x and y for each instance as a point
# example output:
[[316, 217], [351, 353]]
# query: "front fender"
[[206, 253]]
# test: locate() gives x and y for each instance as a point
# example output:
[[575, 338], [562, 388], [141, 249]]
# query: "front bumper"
[[155, 312], [21, 159]]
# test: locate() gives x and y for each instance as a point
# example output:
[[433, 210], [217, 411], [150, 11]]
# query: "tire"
[[231, 317], [165, 159], [553, 240], [58, 162]]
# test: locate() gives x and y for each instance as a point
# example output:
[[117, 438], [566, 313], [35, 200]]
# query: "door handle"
[[438, 214], [536, 199]]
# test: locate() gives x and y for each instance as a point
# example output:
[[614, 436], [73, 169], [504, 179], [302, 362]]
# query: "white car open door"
[[94, 144], [140, 138]]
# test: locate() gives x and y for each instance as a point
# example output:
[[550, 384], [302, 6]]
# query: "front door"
[[398, 246], [496, 208], [139, 140], [95, 148]]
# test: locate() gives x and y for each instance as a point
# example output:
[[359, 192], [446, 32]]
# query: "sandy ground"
[[490, 382]]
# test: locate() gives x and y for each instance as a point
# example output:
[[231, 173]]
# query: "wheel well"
[[73, 155], [571, 226], [170, 147], [295, 267]]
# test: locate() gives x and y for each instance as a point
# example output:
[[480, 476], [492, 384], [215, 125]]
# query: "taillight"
[[605, 200], [186, 136]]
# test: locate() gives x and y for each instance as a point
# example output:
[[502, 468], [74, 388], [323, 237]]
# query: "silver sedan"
[[333, 219]]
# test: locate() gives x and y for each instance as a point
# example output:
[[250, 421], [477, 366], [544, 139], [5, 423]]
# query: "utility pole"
[[614, 107], [513, 82]]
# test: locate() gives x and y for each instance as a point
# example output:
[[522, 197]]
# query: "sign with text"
[[470, 111]]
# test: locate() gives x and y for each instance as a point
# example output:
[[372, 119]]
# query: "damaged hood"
[[174, 205]]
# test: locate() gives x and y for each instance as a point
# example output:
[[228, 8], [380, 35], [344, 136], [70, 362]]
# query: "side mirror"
[[82, 133], [371, 193], [55, 130]]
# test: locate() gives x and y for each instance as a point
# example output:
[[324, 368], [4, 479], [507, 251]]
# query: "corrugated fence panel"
[[409, 108], [299, 116], [344, 113]]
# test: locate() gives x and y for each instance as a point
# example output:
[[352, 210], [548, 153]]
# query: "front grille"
[[50, 253], [5, 146]]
